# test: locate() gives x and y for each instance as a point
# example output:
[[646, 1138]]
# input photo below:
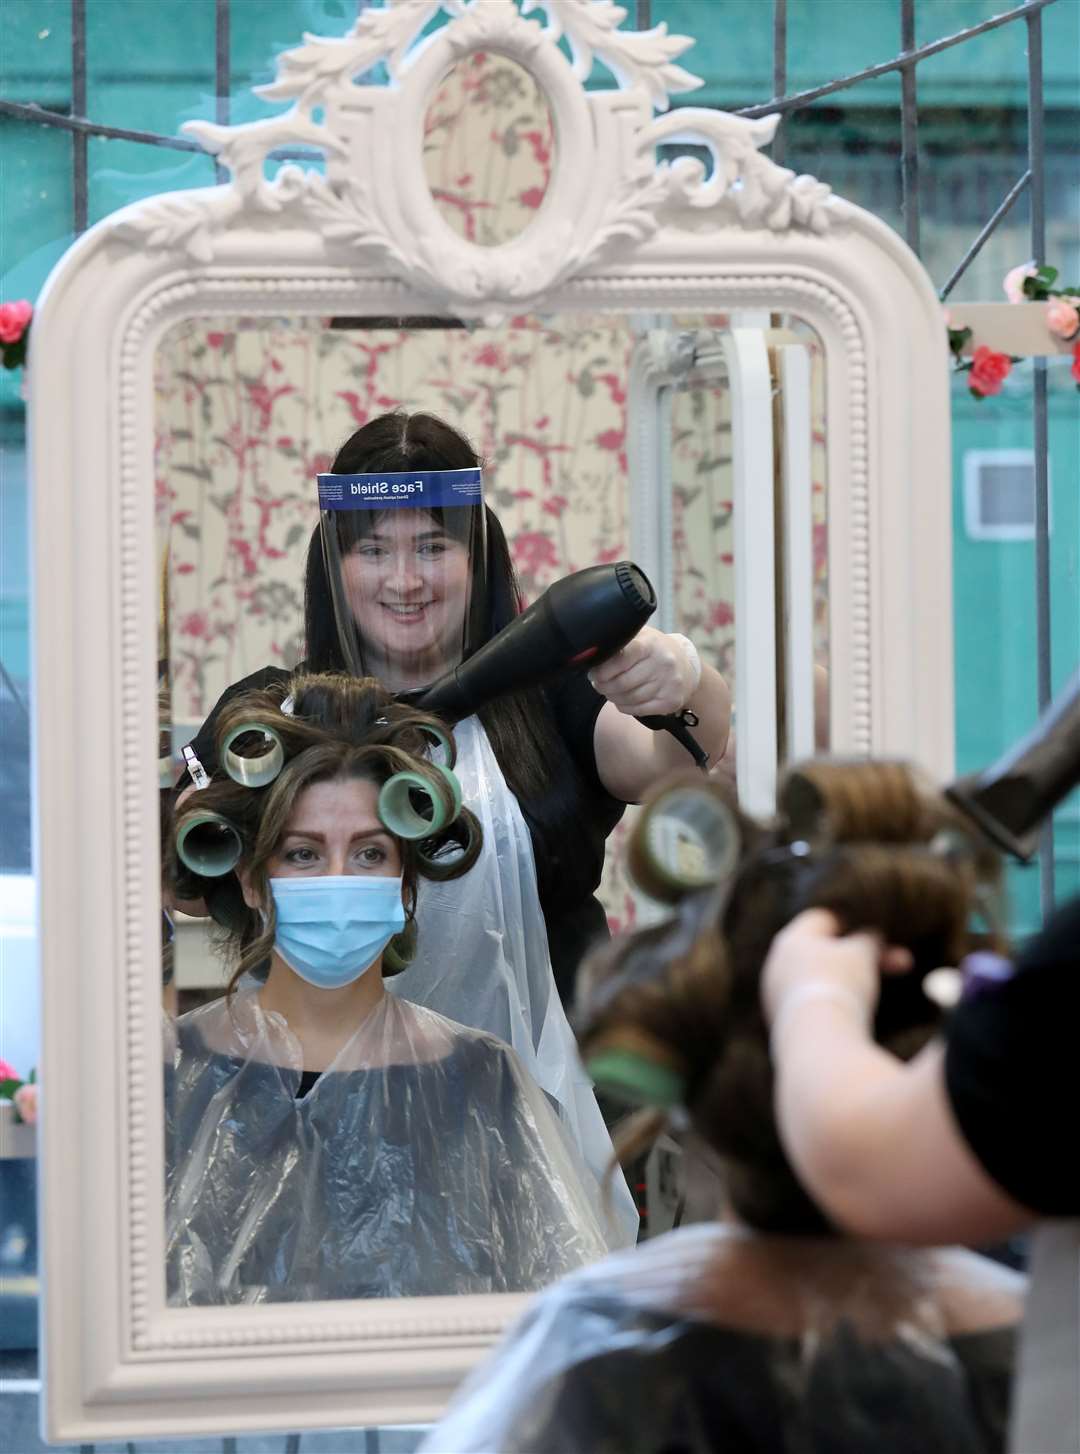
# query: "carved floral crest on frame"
[[609, 193]]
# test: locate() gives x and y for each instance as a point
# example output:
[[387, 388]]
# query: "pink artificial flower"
[[14, 320], [1013, 282], [8, 1071], [25, 1099], [1062, 317], [989, 370], [1075, 370]]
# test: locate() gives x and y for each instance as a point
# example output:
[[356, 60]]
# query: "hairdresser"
[[403, 583], [966, 1140]]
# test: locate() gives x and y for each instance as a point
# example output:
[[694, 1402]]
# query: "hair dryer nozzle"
[[582, 619], [1011, 799]]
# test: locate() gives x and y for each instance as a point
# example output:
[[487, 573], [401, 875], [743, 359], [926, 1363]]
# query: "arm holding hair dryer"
[[662, 703], [651, 677], [970, 1140]]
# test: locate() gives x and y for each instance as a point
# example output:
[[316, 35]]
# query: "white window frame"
[[975, 460]]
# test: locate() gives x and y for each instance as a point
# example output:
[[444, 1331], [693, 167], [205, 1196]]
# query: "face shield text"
[[388, 487]]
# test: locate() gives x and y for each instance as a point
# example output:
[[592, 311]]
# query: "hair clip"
[[199, 776], [287, 706], [253, 770], [984, 970]]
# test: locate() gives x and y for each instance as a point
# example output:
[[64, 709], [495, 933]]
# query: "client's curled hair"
[[869, 841], [339, 727]]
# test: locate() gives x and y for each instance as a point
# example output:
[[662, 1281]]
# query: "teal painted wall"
[[994, 590], [833, 38]]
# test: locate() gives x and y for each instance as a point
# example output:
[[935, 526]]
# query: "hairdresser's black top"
[[1011, 1071], [568, 872]]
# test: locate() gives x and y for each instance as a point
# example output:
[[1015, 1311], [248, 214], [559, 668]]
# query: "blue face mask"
[[331, 929]]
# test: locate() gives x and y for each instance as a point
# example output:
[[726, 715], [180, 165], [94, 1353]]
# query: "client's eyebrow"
[[375, 831]]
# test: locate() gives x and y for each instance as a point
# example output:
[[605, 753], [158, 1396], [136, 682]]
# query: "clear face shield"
[[405, 556]]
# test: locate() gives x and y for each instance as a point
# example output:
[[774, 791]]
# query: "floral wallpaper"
[[250, 410], [488, 146]]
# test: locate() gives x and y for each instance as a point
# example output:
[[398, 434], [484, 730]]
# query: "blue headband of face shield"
[[419, 489]]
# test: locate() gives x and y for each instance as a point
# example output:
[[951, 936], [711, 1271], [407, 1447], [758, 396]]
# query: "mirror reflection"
[[325, 1138], [696, 408], [423, 1125], [488, 148]]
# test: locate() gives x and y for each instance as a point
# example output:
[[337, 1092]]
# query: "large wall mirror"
[[666, 348]]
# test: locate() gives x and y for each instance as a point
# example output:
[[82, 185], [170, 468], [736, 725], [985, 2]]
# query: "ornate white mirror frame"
[[618, 231]]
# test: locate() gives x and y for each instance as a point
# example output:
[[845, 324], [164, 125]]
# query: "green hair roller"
[[632, 1078], [209, 845], [260, 769], [398, 814]]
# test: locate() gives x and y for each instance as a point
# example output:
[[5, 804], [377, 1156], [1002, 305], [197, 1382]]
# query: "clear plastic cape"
[[712, 1342], [483, 960], [423, 1161]]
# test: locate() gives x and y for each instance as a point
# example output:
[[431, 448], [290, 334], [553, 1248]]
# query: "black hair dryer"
[[579, 621], [1011, 799]]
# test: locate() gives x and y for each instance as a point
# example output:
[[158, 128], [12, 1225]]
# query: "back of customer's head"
[[868, 841]]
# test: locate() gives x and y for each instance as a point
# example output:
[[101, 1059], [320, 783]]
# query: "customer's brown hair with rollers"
[[869, 841], [338, 727]]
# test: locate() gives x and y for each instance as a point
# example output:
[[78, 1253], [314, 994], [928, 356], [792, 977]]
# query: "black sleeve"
[[1011, 1071], [203, 743], [575, 705]]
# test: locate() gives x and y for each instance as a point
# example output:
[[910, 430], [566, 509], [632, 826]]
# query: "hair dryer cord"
[[678, 724]]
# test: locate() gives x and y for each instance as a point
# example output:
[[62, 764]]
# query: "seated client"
[[325, 1139], [769, 1330]]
